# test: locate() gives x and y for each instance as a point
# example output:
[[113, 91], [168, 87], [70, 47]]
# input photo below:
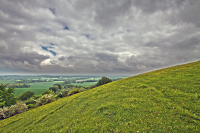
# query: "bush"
[[48, 92], [26, 95], [2, 112], [103, 80], [82, 89], [36, 97], [30, 101], [16, 109], [31, 106], [68, 86], [93, 86], [59, 86], [65, 92], [47, 98], [87, 87], [74, 91], [59, 95], [54, 89]]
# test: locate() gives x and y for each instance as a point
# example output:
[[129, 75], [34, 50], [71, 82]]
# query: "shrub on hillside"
[[26, 95], [59, 95], [59, 86], [54, 89], [47, 98], [30, 101], [103, 80], [68, 86], [74, 91], [93, 86], [82, 89], [15, 109], [48, 92], [36, 97], [2, 112], [87, 87], [65, 92], [31, 106]]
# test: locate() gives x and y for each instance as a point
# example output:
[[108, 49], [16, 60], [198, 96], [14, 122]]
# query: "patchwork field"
[[166, 100], [38, 88], [6, 81]]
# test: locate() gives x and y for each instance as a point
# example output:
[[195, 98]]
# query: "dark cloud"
[[61, 58], [71, 57], [96, 37], [190, 14], [151, 6], [104, 57]]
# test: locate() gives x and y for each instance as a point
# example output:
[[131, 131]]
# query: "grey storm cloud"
[[61, 58], [95, 37], [106, 57]]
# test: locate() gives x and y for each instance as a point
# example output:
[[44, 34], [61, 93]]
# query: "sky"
[[97, 36]]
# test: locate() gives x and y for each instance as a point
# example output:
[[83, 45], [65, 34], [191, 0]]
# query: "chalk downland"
[[166, 100]]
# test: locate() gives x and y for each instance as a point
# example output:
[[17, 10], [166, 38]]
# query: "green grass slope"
[[166, 100], [84, 84]]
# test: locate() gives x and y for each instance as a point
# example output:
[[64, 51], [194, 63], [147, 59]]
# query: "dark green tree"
[[54, 88], [26, 95], [59, 86], [103, 80], [47, 92], [67, 81], [7, 98]]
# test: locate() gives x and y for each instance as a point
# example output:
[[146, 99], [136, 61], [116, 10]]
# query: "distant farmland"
[[38, 88], [7, 81]]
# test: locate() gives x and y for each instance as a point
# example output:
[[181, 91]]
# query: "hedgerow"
[[18, 108]]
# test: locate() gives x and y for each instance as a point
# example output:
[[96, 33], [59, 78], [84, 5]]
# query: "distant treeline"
[[31, 81], [91, 80], [19, 85]]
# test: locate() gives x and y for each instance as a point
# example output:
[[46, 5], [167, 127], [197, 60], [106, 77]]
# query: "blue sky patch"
[[87, 36], [46, 49], [65, 26], [54, 53], [53, 10]]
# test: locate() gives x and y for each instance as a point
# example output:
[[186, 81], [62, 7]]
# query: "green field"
[[38, 88], [166, 100], [84, 84], [7, 81]]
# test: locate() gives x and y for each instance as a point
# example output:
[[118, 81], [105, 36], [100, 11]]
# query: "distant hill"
[[166, 100]]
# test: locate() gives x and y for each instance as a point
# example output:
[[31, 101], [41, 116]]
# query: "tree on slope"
[[26, 95], [7, 98], [103, 80]]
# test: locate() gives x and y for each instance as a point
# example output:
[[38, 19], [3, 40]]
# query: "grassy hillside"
[[84, 84], [166, 100]]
